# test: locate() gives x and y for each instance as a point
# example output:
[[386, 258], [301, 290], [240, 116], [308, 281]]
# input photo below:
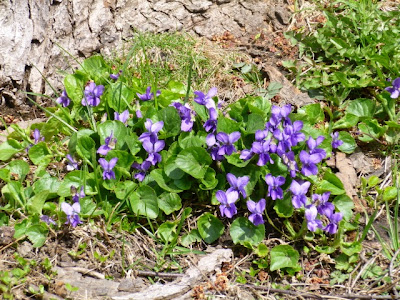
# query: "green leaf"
[[284, 256], [37, 234], [86, 148], [13, 192], [20, 168], [349, 144], [227, 125], [255, 122], [96, 67], [372, 129], [87, 207], [313, 113], [192, 237], [235, 160], [172, 170], [124, 188], [169, 202], [209, 181], [273, 89], [260, 105], [167, 231], [345, 205], [144, 202], [188, 140], [164, 181], [172, 122], [362, 108], [243, 232], [118, 129], [348, 121], [210, 227], [5, 175], [39, 154], [284, 207], [351, 248], [74, 85], [125, 159], [389, 193], [35, 204], [194, 161], [75, 178], [119, 96]]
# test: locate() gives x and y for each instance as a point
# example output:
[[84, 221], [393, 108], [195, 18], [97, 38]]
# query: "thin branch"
[[157, 274]]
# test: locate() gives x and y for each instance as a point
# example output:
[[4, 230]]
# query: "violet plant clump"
[[249, 159]]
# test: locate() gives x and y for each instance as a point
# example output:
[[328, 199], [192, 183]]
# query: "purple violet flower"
[[152, 129], [72, 164], [63, 99], [139, 114], [47, 220], [257, 210], [109, 144], [186, 116], [334, 219], [227, 200], [238, 184], [108, 167], [143, 167], [311, 216], [322, 203], [395, 89], [289, 160], [72, 213], [211, 124], [76, 196], [37, 137], [206, 100], [148, 95], [227, 141], [313, 144], [299, 191], [153, 149], [92, 94], [123, 117], [274, 186], [263, 149], [309, 162], [335, 140], [116, 76]]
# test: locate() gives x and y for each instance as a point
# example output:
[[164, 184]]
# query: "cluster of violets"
[[278, 137]]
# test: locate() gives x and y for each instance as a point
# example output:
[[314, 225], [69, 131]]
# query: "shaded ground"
[[101, 262]]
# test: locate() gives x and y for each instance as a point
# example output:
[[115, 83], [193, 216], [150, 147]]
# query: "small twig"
[[391, 270], [84, 271], [157, 274], [370, 262], [12, 243], [315, 296]]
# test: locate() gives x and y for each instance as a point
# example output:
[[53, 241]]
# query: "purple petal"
[[222, 137], [251, 206], [157, 126], [112, 162], [66, 208], [221, 197], [231, 179], [234, 136], [103, 163], [159, 145]]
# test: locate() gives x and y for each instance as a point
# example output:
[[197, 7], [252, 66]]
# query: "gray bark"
[[32, 31]]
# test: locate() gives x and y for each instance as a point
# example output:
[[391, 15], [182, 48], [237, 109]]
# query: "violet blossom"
[[336, 143], [152, 130], [108, 167], [309, 162], [152, 149], [109, 144], [92, 94], [299, 191], [227, 141], [211, 124], [143, 167], [37, 137], [186, 115], [311, 216], [274, 186], [322, 203], [257, 210], [263, 149], [116, 76], [148, 95], [238, 184], [313, 144], [72, 164], [290, 161], [72, 213], [47, 220], [394, 90], [227, 200], [334, 219], [123, 117], [63, 99], [76, 196], [206, 100]]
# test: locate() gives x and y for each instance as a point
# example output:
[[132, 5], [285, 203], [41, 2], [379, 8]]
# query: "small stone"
[[131, 285], [25, 248]]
